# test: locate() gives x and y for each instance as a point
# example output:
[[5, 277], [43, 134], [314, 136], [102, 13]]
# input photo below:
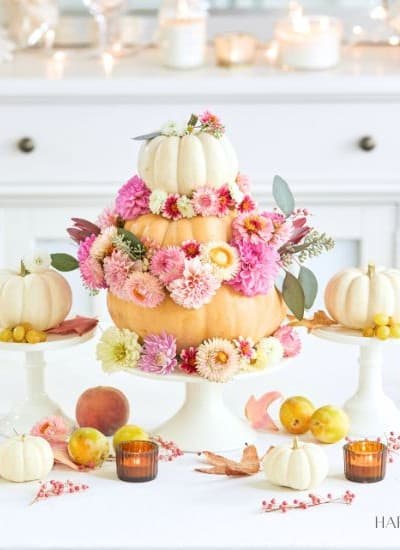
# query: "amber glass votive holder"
[[137, 460], [365, 461]]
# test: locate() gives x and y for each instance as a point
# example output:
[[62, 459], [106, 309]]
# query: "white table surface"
[[186, 509]]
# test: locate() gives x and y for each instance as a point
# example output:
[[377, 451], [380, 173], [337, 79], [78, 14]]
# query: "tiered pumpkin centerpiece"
[[190, 262]]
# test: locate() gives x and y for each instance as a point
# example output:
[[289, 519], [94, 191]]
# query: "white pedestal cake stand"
[[204, 422], [372, 414], [37, 404]]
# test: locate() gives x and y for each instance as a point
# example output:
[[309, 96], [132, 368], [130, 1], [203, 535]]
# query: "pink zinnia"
[[225, 201], [92, 273], [170, 209], [143, 289], [206, 201], [248, 204], [211, 121], [107, 218], [196, 287], [188, 360], [252, 227], [282, 228], [132, 199], [84, 248], [243, 182], [52, 428], [245, 347], [259, 266], [289, 339], [168, 264], [191, 248], [116, 270], [159, 354]]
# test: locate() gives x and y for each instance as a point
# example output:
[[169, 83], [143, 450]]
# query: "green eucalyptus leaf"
[[193, 120], [64, 262], [309, 284], [136, 247], [283, 195], [293, 295], [146, 137]]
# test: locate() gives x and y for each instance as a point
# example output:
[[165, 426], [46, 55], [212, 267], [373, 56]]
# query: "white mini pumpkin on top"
[[298, 466], [42, 299], [182, 164], [353, 296], [25, 458]]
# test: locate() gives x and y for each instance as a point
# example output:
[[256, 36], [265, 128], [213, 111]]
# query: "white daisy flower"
[[185, 207], [273, 349], [157, 200], [217, 360], [222, 257]]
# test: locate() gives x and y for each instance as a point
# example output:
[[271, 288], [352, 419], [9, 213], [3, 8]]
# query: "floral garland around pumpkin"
[[216, 359]]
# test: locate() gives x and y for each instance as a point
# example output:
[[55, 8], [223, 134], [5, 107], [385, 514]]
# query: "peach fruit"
[[103, 408]]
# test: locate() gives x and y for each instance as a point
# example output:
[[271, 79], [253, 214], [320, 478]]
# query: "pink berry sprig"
[[168, 449], [54, 488], [312, 501]]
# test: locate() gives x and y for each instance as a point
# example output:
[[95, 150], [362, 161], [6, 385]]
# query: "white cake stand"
[[37, 404], [372, 414], [204, 422]]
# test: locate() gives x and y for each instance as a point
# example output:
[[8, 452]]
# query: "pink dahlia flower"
[[248, 204], [52, 428], [92, 274], [170, 209], [132, 199], [243, 182], [188, 360], [252, 227], [158, 354], [168, 264], [116, 270], [259, 266], [289, 339], [143, 289], [197, 285], [206, 201], [107, 218], [191, 248], [84, 248], [225, 200]]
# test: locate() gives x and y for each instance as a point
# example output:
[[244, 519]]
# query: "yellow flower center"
[[220, 257], [221, 357], [119, 352]]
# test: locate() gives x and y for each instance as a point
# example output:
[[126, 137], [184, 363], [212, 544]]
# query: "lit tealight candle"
[[137, 460], [308, 42], [107, 60], [365, 461], [235, 48]]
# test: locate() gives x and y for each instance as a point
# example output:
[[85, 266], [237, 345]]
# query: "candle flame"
[[108, 63], [300, 23]]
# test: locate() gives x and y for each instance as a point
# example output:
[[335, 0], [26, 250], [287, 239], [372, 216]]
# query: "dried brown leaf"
[[248, 465], [319, 320]]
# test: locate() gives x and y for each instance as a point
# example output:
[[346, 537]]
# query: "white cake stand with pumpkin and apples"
[[190, 264], [33, 301], [366, 305]]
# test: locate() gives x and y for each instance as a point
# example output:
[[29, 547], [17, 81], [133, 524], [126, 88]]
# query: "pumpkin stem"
[[295, 443], [371, 270]]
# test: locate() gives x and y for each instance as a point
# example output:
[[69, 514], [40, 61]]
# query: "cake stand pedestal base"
[[372, 413], [204, 422]]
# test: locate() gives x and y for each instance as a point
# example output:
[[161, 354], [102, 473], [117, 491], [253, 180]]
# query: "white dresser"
[[333, 136]]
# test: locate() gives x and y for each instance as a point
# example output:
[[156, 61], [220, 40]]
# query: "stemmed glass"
[[107, 14]]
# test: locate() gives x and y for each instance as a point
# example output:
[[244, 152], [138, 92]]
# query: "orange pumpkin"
[[228, 315]]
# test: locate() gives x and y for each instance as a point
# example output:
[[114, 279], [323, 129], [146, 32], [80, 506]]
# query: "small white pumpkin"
[[182, 164], [25, 458], [353, 296], [42, 299], [298, 466]]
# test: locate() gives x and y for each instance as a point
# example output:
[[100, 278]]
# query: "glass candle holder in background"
[[30, 21], [137, 461], [235, 48], [365, 461], [308, 42], [108, 14], [182, 33]]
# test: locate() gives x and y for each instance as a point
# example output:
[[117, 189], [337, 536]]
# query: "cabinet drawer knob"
[[26, 145], [367, 143]]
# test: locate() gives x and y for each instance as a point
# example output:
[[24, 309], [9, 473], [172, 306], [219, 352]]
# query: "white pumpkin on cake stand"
[[352, 298]]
